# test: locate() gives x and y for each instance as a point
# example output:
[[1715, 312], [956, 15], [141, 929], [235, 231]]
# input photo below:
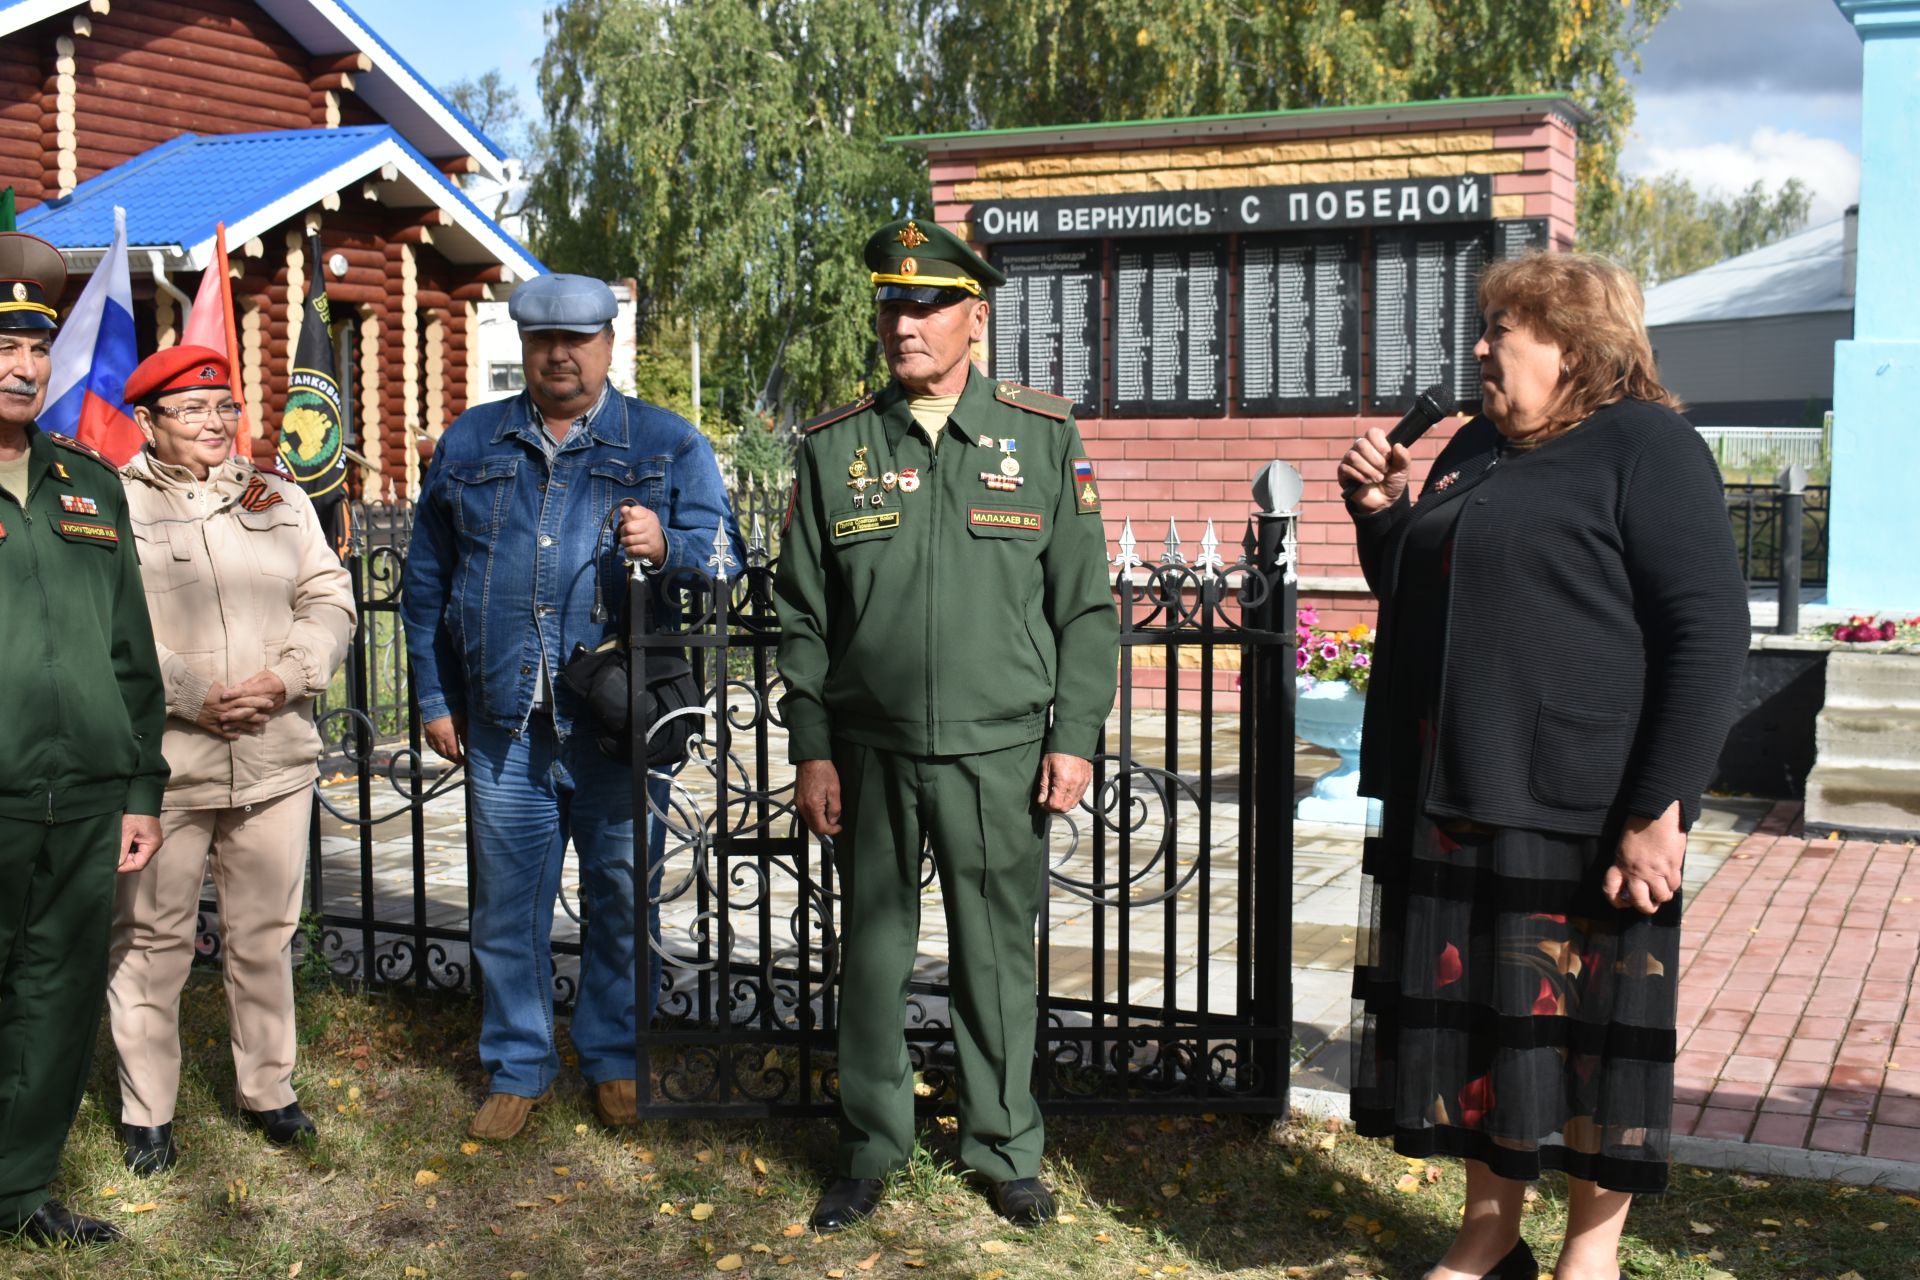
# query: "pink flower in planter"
[[1308, 617], [1301, 658], [1330, 650]]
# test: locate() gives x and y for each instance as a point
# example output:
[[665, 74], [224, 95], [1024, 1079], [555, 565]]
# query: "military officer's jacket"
[[950, 600], [82, 707]]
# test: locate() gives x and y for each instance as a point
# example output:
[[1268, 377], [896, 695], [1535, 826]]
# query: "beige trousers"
[[259, 856]]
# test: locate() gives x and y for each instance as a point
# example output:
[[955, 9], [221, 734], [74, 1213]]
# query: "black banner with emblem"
[[312, 438]]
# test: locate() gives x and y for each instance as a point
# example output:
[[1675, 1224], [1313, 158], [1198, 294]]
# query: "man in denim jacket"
[[514, 537]]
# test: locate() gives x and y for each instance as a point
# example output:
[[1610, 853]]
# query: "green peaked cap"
[[916, 260]]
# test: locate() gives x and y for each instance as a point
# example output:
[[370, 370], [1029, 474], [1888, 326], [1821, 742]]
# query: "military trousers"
[[976, 814], [259, 858], [56, 906]]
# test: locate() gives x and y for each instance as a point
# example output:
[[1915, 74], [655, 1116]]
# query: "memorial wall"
[[1218, 292]]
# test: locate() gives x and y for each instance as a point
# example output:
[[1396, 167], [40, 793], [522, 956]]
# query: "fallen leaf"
[[759, 1165], [914, 1262], [1876, 1226], [866, 1264], [414, 1271], [526, 1204], [558, 1197], [995, 1246], [1170, 1190], [1407, 1184], [562, 1171], [1066, 1217], [469, 1148], [580, 1128], [293, 1272], [836, 1273], [108, 1193], [1700, 1228], [1320, 1214], [1103, 1238], [732, 1262], [794, 1229], [760, 1248], [667, 1207], [517, 1275], [700, 1212], [425, 1178], [784, 1260], [704, 1156], [147, 1206], [353, 1094], [1775, 1223], [995, 1274], [1326, 1143], [495, 1228]]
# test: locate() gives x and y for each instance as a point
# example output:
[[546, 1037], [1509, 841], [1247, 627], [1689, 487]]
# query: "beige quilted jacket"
[[239, 579]]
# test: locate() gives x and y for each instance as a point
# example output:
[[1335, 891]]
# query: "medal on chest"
[[1008, 477], [860, 478]]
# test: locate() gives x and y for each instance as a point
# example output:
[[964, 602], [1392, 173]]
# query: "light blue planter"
[[1328, 715]]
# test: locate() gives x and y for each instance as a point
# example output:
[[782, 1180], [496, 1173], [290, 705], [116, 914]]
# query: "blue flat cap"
[[578, 304]]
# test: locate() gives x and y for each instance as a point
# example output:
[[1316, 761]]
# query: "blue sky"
[[1731, 90]]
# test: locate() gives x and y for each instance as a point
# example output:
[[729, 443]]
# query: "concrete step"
[[1850, 735], [1866, 773], [1863, 799]]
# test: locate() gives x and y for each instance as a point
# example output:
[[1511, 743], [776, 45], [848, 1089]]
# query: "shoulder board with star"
[[1034, 401], [832, 416], [84, 450]]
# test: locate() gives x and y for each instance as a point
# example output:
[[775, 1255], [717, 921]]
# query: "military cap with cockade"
[[914, 260], [33, 275]]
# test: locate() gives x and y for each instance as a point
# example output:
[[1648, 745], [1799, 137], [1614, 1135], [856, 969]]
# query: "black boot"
[[55, 1224], [283, 1126], [1025, 1202], [845, 1202], [148, 1148]]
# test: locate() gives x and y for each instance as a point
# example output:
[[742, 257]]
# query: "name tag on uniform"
[[88, 531], [990, 518], [869, 523]]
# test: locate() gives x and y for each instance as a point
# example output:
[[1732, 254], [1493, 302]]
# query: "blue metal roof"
[[176, 192]]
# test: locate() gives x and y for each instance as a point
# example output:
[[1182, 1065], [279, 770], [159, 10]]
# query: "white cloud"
[[1769, 156]]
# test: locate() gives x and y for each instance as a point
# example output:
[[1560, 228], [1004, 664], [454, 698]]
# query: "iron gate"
[[1164, 938]]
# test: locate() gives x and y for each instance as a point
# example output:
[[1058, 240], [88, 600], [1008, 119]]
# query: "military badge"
[[19, 292], [1446, 481], [74, 504], [1086, 494], [909, 266], [910, 480], [911, 236]]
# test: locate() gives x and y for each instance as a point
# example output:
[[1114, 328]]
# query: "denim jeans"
[[531, 794]]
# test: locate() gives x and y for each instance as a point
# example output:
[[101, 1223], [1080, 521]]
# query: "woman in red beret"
[[251, 615]]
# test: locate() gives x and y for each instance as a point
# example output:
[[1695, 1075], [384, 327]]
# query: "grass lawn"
[[394, 1189]]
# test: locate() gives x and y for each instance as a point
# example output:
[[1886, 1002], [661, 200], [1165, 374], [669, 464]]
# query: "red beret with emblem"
[[178, 369]]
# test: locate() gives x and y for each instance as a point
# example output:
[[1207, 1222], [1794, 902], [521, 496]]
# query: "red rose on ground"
[[1449, 967]]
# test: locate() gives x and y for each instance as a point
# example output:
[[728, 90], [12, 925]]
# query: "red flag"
[[211, 325]]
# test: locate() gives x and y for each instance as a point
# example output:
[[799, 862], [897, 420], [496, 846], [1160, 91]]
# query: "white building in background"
[[1749, 342]]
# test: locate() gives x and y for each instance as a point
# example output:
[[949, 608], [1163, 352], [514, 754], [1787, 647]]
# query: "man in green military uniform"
[[949, 644], [81, 713]]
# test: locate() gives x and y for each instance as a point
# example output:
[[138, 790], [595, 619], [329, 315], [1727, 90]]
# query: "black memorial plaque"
[[1515, 236], [1426, 314], [1299, 324], [1045, 323], [1169, 328]]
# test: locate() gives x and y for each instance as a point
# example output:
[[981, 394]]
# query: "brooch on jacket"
[[1445, 480]]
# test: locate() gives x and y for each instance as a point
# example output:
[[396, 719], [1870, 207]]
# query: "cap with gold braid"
[[915, 260], [33, 275]]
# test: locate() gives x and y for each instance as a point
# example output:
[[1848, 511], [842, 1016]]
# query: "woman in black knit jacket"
[[1563, 628]]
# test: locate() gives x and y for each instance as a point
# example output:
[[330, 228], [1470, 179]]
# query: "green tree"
[[1663, 227], [1042, 62], [731, 155]]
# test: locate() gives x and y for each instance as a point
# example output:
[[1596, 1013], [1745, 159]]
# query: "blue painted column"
[[1873, 554]]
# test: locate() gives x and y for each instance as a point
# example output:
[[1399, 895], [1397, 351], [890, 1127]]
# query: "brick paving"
[[1799, 1021]]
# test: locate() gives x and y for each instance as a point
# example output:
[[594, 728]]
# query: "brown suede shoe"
[[504, 1115], [614, 1102]]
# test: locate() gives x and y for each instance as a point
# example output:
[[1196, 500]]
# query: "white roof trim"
[[431, 182], [24, 13], [401, 74]]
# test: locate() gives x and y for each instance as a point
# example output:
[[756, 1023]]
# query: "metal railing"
[[1770, 448]]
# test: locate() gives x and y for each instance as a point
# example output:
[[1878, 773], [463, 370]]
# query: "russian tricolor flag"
[[93, 354]]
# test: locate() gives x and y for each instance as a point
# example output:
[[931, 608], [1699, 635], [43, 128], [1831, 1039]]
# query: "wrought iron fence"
[[1755, 512], [1165, 933]]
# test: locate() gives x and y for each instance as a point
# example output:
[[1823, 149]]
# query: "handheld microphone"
[[1429, 407]]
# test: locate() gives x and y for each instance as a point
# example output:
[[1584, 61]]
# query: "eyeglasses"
[[197, 415]]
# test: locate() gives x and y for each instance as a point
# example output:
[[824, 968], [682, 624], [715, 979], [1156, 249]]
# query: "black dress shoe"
[[55, 1224], [283, 1126], [1025, 1202], [845, 1202], [149, 1148], [1517, 1265]]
